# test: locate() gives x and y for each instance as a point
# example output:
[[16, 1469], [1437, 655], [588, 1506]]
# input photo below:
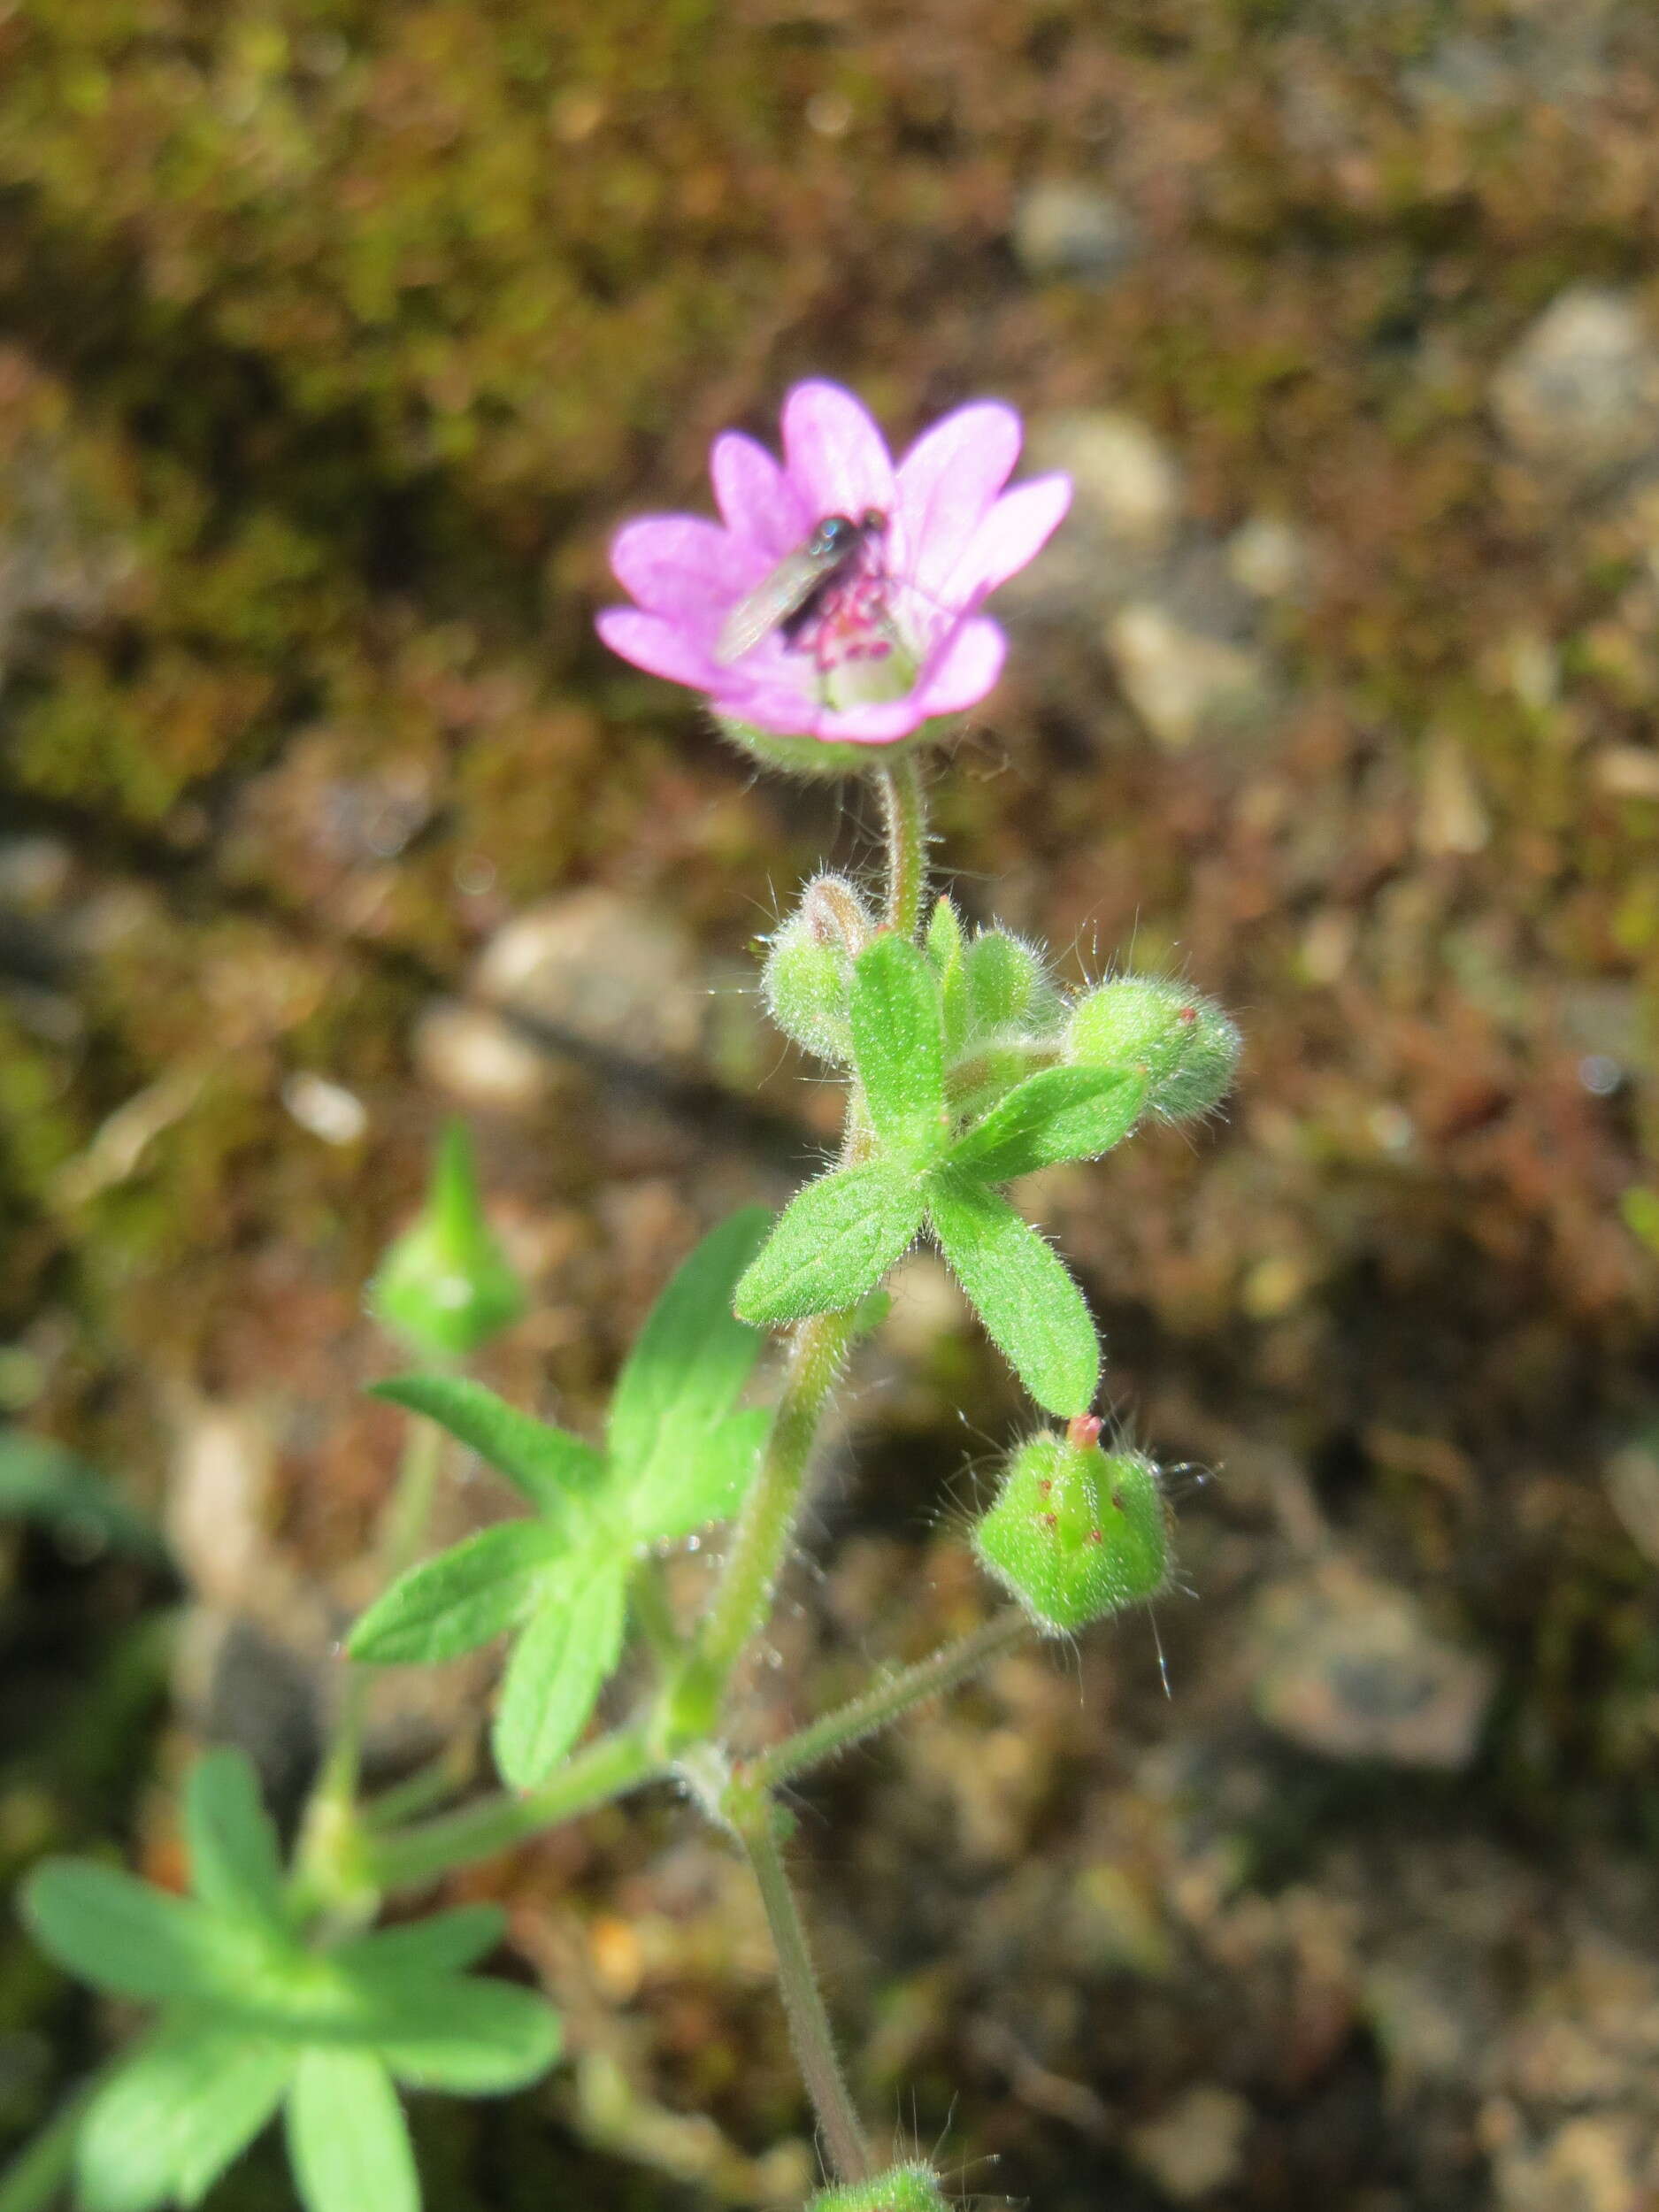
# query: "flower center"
[[857, 650]]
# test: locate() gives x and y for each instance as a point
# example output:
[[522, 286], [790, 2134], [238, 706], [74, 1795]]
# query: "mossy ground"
[[338, 337]]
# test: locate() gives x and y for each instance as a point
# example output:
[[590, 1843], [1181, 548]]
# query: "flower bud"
[[1077, 1533], [807, 974], [1186, 1046], [913, 2188], [1007, 986], [445, 1286]]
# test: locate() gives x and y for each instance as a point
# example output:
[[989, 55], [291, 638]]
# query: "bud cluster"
[[1004, 1016]]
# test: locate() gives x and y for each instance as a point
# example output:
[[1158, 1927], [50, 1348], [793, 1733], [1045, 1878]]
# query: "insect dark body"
[[794, 596]]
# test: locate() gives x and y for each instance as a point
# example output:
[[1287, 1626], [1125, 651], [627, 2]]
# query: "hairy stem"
[[887, 1702], [767, 1520], [408, 1858], [810, 2036], [904, 812], [328, 1830]]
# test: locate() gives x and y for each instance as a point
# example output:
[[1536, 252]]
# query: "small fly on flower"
[[796, 590]]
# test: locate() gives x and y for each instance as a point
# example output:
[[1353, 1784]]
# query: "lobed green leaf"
[[569, 1649], [119, 1935], [187, 2101], [898, 1047], [1057, 1114], [1030, 1308], [551, 1467], [421, 1950], [693, 1356], [474, 2039], [461, 1599], [235, 1865], [697, 1477], [348, 2140], [832, 1243]]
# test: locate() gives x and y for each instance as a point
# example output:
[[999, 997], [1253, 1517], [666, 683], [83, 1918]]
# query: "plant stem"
[[329, 1853], [810, 2036], [905, 819], [765, 1526], [649, 1601], [887, 1702], [408, 1858]]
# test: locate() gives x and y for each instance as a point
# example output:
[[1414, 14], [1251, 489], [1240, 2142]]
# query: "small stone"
[[1186, 686], [329, 1110], [474, 1055], [1630, 1473], [1126, 487], [600, 972], [1350, 1667], [1453, 817], [1072, 230], [1196, 2146], [1268, 557], [1579, 395], [1604, 2163]]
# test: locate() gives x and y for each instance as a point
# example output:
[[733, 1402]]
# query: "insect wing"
[[773, 600]]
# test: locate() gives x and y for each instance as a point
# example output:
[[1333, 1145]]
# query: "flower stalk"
[[884, 1702], [755, 1820]]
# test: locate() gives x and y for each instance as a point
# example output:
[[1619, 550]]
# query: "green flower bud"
[[900, 2189], [943, 945], [1186, 1046], [1006, 983], [1077, 1533], [445, 1286], [808, 968]]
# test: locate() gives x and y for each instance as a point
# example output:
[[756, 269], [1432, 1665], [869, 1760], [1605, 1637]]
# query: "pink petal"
[[757, 500], [661, 648], [876, 723], [946, 484], [837, 458], [1015, 532], [783, 709], [965, 671], [685, 567]]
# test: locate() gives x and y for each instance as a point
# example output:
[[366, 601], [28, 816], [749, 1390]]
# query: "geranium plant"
[[831, 620]]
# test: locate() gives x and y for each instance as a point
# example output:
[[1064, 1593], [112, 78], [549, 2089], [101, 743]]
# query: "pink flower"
[[889, 635]]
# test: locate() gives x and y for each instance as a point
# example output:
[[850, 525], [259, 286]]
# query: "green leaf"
[[120, 1934], [43, 1481], [475, 2039], [421, 1949], [898, 1047], [1030, 1305], [1058, 1114], [693, 1356], [833, 1242], [189, 2099], [558, 1666], [235, 1866], [945, 952], [553, 1469], [700, 1476], [348, 2140], [459, 1600]]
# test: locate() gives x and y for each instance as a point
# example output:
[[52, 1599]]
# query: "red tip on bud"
[[1188, 1014], [1083, 1430]]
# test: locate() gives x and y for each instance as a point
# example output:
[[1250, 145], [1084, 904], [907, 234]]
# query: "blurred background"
[[335, 337]]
